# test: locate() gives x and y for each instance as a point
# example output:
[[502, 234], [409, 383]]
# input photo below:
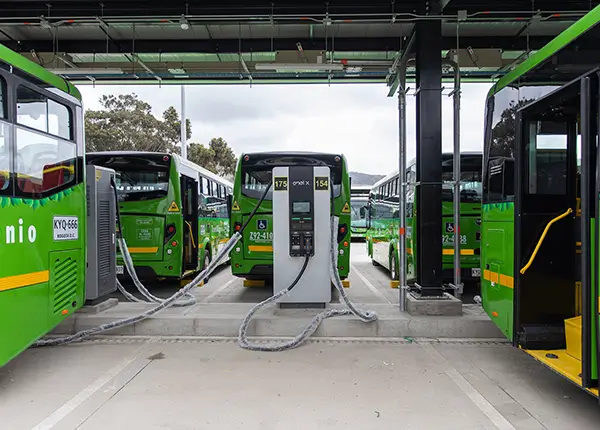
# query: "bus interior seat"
[[54, 176]]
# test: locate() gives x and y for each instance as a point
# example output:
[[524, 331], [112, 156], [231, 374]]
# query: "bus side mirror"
[[229, 204]]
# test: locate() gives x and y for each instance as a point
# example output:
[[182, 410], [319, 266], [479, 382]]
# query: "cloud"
[[355, 119]]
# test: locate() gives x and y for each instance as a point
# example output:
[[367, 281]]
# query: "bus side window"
[[500, 180], [5, 147], [5, 156], [547, 158], [45, 159], [222, 211]]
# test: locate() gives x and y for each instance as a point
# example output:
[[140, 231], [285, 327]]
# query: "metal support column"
[[183, 125], [403, 183], [456, 177], [429, 157]]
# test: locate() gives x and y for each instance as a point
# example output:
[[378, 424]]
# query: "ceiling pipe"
[[316, 18]]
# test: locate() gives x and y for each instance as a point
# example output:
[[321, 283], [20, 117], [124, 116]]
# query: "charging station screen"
[[301, 207]]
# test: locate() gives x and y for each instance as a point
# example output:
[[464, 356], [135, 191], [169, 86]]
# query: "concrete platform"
[[169, 383], [224, 320], [224, 302], [446, 305]]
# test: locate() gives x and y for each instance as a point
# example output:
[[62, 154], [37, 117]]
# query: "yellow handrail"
[[191, 233], [535, 251]]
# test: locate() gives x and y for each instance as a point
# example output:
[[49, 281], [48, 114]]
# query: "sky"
[[358, 120]]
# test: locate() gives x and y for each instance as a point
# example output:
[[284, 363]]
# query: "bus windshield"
[[471, 187], [140, 177], [256, 178], [358, 219]]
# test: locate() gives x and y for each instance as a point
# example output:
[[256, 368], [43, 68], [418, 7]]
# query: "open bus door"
[[556, 234], [189, 210]]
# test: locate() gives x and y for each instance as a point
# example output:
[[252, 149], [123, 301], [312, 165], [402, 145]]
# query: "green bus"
[[359, 198], [174, 213], [384, 220], [42, 202], [540, 204], [252, 259]]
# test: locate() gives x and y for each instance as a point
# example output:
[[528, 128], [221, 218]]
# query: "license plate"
[[476, 272], [119, 270]]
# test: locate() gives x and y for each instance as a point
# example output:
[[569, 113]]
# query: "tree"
[[217, 157], [504, 133], [127, 123], [202, 156]]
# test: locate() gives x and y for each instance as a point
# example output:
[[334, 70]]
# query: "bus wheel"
[[394, 268], [206, 263]]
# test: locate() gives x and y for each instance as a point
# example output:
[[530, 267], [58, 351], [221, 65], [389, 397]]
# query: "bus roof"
[[360, 188], [180, 162], [258, 156], [12, 58], [588, 21], [445, 155]]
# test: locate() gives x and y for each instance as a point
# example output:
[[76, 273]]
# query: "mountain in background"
[[364, 178]]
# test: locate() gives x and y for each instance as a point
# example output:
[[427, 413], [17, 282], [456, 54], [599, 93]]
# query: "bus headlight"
[[169, 251]]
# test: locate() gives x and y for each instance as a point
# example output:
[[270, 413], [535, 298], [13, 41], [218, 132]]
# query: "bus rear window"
[[138, 178], [471, 187], [255, 180]]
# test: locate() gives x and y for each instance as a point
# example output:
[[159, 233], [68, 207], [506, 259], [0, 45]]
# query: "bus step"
[[543, 336], [184, 282], [248, 283], [188, 274]]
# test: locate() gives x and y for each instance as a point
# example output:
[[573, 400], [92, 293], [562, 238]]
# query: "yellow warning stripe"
[[260, 248], [144, 250], [498, 278], [18, 281], [448, 251], [224, 241]]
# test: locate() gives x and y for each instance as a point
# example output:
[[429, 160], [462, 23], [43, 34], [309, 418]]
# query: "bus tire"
[[206, 262], [394, 267]]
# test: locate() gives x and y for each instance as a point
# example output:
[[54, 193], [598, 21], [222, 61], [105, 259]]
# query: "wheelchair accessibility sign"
[[449, 227], [261, 224]]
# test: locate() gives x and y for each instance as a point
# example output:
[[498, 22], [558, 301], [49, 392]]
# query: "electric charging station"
[[301, 230]]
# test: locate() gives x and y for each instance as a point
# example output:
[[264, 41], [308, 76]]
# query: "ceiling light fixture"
[[84, 72], [178, 73], [184, 23], [301, 67], [44, 23]]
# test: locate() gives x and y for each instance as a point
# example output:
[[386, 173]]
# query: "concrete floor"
[[195, 384], [177, 382]]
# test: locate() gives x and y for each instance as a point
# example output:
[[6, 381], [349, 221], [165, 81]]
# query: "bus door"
[[556, 202], [189, 210]]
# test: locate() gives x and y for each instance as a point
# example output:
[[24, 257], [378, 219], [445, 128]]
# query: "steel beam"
[[224, 46], [429, 157], [250, 8]]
